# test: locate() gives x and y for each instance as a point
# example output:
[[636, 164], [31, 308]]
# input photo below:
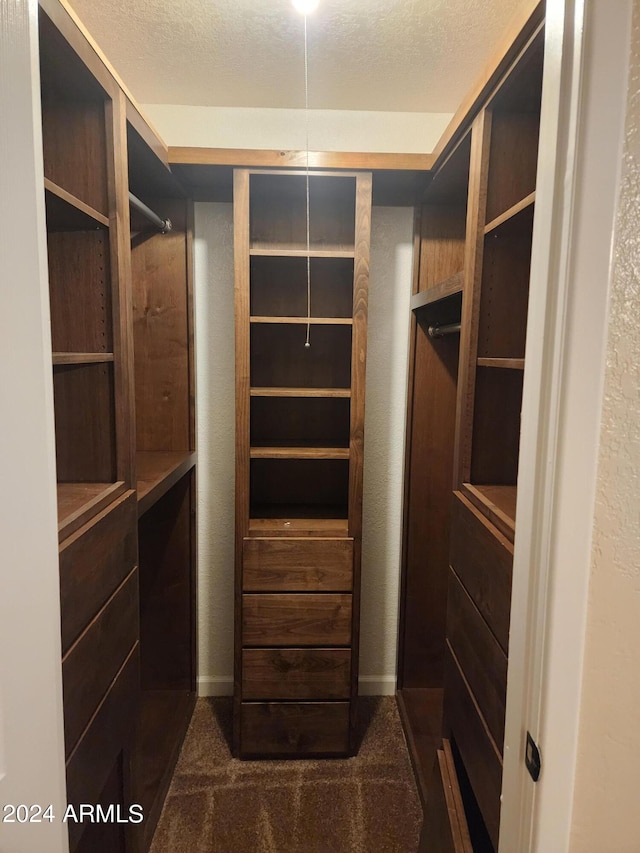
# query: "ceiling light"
[[306, 7]]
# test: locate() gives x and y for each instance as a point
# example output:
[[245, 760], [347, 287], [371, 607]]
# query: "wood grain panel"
[[294, 729], [300, 421], [504, 298], [166, 586], [111, 730], [279, 356], [496, 427], [479, 753], [74, 145], [85, 423], [80, 291], [481, 659], [91, 664], [430, 482], [305, 564], [442, 242], [513, 159], [445, 827], [358, 365], [161, 334], [483, 560], [279, 287], [260, 158], [296, 620], [295, 674], [299, 487], [93, 563]]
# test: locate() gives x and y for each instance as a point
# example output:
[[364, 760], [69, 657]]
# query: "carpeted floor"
[[217, 804]]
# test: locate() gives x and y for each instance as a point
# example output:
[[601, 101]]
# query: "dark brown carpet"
[[217, 804]]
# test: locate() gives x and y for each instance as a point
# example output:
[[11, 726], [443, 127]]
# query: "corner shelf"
[[77, 502], [502, 363], [320, 321], [65, 212], [445, 289], [496, 502], [289, 250], [157, 472], [82, 357], [278, 391], [517, 208], [299, 453]]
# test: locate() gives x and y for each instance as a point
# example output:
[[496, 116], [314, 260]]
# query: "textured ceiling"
[[391, 55]]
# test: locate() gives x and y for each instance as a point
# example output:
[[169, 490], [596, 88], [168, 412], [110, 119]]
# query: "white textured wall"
[[390, 284], [329, 130], [606, 814]]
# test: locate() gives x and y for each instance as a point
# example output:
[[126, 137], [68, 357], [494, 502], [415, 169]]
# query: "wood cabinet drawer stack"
[[299, 416]]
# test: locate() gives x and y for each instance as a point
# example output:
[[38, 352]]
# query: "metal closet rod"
[[438, 331], [163, 225]]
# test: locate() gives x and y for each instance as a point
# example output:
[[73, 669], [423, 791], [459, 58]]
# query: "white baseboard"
[[215, 685], [376, 685], [368, 685]]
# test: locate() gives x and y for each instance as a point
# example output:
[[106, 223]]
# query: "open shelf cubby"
[[278, 212], [299, 488], [73, 109], [504, 295], [300, 422], [278, 356], [496, 440], [279, 287]]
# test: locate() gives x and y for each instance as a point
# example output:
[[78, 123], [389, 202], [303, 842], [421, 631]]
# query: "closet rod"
[[438, 331], [163, 225]]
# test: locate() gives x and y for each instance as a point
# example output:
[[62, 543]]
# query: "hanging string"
[[306, 114]]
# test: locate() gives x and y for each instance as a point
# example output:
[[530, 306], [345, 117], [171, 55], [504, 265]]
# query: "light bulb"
[[306, 7]]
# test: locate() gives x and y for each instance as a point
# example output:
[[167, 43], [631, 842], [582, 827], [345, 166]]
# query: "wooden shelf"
[[443, 290], [157, 472], [300, 392], [81, 357], [321, 321], [502, 363], [299, 453], [525, 203], [284, 526], [78, 502], [285, 250], [65, 212], [497, 502]]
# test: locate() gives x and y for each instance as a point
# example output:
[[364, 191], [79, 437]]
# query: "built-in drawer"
[[297, 565], [296, 620], [483, 560], [92, 662], [93, 563], [294, 728], [111, 730], [481, 659], [296, 673], [444, 829], [479, 754]]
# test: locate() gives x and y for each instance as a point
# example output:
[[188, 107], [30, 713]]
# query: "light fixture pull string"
[[306, 114]]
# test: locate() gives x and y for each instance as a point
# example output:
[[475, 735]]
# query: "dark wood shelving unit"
[[299, 420], [450, 288], [157, 471]]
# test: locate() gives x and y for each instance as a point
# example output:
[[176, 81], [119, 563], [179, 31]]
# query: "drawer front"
[[294, 728], [445, 827], [297, 565], [296, 673], [483, 560], [93, 564], [296, 620], [481, 659], [92, 663], [111, 729], [479, 754]]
